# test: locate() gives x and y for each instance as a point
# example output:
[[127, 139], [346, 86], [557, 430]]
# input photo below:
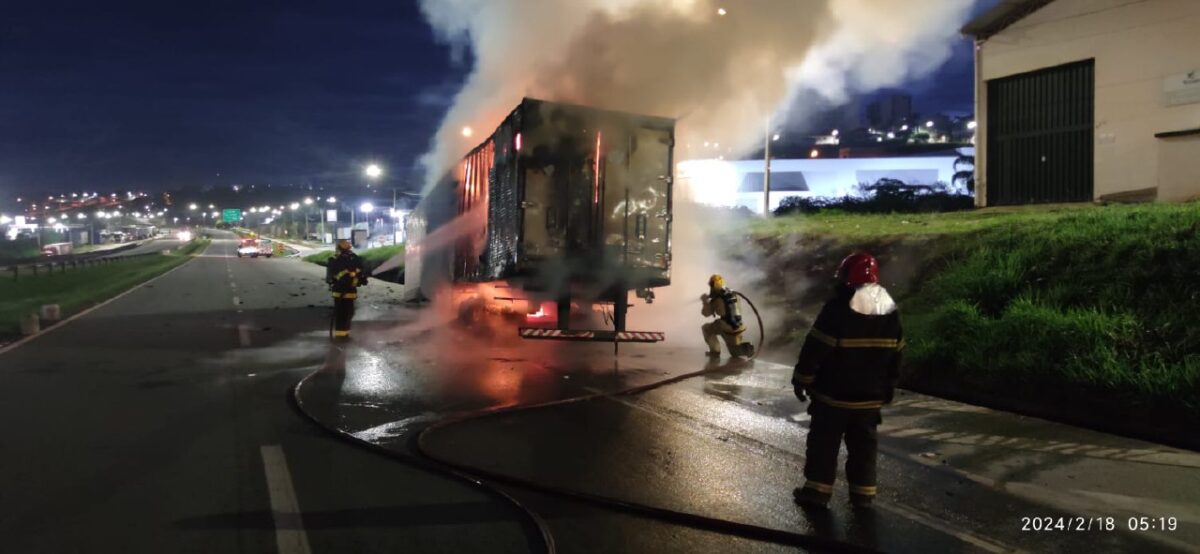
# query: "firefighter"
[[722, 303], [849, 365], [344, 274]]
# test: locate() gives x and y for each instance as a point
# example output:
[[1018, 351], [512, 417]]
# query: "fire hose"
[[488, 480]]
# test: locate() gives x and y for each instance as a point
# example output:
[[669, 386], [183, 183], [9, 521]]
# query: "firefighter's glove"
[[800, 393], [704, 297]]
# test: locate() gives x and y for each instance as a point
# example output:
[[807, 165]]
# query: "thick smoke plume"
[[723, 76], [724, 69]]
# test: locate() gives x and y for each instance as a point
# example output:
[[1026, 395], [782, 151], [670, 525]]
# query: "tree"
[[964, 172]]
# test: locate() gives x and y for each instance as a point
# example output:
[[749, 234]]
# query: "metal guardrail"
[[45, 268]]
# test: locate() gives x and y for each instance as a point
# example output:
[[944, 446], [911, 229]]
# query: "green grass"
[[852, 226], [372, 257], [79, 288], [1075, 305]]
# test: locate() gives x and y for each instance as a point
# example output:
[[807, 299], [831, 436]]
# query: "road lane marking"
[[64, 322], [237, 301], [290, 537]]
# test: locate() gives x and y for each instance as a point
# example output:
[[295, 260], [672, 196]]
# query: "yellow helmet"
[[716, 282], [343, 245]]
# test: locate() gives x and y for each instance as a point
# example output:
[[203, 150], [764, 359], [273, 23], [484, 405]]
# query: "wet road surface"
[[730, 444], [161, 422], [151, 423]]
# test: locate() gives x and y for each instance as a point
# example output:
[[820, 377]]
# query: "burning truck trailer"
[[553, 220]]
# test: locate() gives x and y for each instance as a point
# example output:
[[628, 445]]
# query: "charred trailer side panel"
[[561, 201]]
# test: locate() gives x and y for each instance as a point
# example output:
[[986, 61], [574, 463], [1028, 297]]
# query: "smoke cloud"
[[722, 76], [723, 69]]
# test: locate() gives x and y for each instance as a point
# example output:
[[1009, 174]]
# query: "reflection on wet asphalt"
[[728, 444]]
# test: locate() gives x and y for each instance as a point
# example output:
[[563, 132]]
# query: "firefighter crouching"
[[722, 303], [849, 365], [344, 274]]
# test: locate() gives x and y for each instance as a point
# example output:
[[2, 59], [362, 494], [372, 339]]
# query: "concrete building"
[[1082, 100]]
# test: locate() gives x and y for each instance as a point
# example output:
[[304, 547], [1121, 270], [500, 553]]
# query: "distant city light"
[[81, 216], [904, 127], [308, 201], [331, 200], [929, 124], [971, 125], [814, 154], [834, 133], [5, 220], [891, 135], [373, 171], [294, 205], [191, 206], [775, 136]]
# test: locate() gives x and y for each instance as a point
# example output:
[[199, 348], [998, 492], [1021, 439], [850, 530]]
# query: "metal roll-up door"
[[1040, 136]]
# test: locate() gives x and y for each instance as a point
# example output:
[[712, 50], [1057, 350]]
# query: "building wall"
[[1136, 44]]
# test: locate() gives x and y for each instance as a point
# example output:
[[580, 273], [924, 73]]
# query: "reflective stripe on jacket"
[[850, 359], [345, 274]]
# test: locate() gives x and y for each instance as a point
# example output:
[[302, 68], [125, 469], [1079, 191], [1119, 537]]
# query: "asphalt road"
[[156, 422], [161, 422]]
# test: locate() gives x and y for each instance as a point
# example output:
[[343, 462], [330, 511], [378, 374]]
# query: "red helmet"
[[858, 269]]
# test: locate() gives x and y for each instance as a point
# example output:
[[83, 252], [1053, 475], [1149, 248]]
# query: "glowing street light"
[[721, 11], [294, 205], [373, 171], [308, 201], [971, 125], [192, 207], [467, 132], [331, 200], [835, 132], [5, 220], [81, 216], [929, 124], [775, 136], [366, 207], [814, 154]]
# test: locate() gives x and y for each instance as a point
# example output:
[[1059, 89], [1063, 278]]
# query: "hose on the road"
[[483, 478], [535, 527], [696, 521]]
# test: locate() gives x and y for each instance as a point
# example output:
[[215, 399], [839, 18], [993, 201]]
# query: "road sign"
[[231, 215]]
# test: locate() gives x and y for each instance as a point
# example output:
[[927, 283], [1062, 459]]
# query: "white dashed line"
[[290, 537]]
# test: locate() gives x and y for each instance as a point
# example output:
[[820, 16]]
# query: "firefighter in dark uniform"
[[722, 303], [344, 274], [849, 365]]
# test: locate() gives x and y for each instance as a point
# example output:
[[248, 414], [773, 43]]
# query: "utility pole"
[[767, 169]]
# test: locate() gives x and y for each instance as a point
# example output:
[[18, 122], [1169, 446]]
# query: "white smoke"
[[723, 76]]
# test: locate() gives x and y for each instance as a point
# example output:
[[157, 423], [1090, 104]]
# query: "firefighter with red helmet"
[[722, 303], [344, 274], [849, 366]]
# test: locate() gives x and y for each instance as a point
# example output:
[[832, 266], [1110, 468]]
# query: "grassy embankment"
[[1085, 313], [372, 258], [79, 288]]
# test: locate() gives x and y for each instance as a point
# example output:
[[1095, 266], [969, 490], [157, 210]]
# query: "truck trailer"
[[562, 208]]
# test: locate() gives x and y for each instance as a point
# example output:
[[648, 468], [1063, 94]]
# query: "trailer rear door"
[[637, 177]]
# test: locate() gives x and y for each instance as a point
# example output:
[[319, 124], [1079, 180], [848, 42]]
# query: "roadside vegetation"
[[79, 288], [1082, 313], [372, 258]]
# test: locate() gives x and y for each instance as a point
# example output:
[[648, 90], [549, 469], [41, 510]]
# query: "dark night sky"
[[116, 95]]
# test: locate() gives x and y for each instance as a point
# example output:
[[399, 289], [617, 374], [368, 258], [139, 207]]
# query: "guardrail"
[[40, 267]]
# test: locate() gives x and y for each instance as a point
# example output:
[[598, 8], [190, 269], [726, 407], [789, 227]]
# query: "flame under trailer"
[[555, 217]]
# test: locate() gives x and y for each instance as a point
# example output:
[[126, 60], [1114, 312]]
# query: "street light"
[[294, 205], [308, 201], [467, 132], [367, 207], [331, 200], [373, 171], [192, 207]]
